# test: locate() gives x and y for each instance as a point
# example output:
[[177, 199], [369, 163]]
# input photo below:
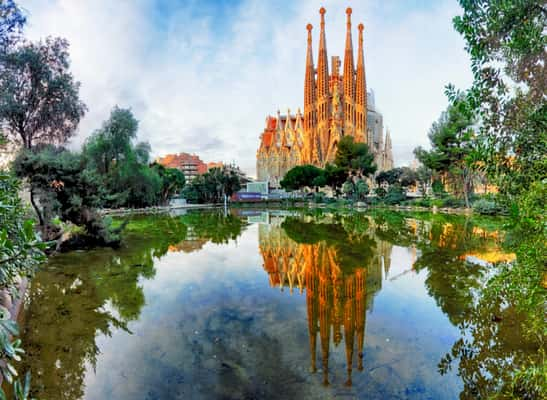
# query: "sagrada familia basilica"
[[335, 104]]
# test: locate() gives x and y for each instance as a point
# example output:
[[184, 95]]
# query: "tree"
[[303, 176], [361, 189], [12, 21], [452, 147], [129, 180], [213, 186], [354, 157], [172, 179], [390, 176], [67, 192], [335, 176], [506, 40], [39, 98], [408, 177], [112, 143], [424, 176]]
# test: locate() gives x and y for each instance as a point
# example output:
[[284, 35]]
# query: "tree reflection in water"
[[78, 296], [339, 260]]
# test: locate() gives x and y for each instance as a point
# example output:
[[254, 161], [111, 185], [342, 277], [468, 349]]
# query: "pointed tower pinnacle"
[[349, 71], [310, 98], [322, 62], [309, 86], [361, 92]]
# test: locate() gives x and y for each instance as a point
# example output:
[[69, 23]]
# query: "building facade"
[[336, 103], [190, 164]]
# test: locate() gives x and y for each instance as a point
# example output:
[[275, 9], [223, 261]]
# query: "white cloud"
[[204, 83]]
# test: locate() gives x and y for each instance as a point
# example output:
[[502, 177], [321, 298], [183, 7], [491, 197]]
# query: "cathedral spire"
[[322, 62], [309, 85], [349, 72], [361, 90]]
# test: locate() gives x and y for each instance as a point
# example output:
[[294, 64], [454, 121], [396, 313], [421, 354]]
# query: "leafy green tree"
[[129, 180], [361, 189], [348, 188], [212, 186], [39, 98], [452, 148], [390, 177], [172, 180], [335, 176], [395, 194], [423, 178], [12, 21], [355, 158], [112, 143], [380, 192], [506, 40], [303, 176], [68, 191]]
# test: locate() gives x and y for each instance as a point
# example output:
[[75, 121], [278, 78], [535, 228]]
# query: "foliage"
[[212, 186], [112, 143], [12, 21], [438, 188], [423, 178], [395, 195], [354, 157], [21, 251], [403, 176], [39, 98], [453, 153], [20, 247], [487, 207], [380, 192], [361, 189], [347, 188], [506, 40], [302, 176], [65, 189], [172, 179], [335, 176], [128, 179]]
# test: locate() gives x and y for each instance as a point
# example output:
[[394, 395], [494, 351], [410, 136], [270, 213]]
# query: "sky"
[[201, 76]]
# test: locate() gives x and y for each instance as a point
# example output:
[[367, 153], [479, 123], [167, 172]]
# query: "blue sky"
[[201, 76]]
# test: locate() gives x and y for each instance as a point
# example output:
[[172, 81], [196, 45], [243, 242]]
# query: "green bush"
[[395, 195], [488, 207], [437, 203], [453, 202]]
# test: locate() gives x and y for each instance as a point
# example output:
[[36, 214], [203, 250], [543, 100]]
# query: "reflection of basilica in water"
[[337, 289]]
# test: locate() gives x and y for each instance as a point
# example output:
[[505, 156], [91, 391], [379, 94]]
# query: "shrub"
[[395, 195], [453, 202], [488, 207]]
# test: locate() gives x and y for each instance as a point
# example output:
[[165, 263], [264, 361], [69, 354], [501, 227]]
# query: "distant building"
[[258, 187], [214, 164], [190, 164]]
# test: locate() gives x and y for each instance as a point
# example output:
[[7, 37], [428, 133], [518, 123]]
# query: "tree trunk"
[[35, 206]]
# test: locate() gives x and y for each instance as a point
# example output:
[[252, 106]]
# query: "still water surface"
[[268, 305]]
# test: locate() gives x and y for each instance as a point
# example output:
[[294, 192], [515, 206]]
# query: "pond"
[[273, 305]]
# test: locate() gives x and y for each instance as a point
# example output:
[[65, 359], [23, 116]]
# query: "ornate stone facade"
[[335, 104]]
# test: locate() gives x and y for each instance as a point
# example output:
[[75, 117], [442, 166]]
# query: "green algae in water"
[[274, 305]]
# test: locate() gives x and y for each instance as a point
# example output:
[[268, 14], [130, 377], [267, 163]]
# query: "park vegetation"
[[353, 164]]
